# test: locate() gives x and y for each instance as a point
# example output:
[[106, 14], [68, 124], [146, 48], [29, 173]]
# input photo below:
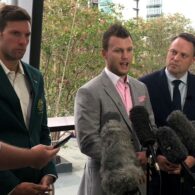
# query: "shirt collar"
[[113, 77], [7, 71], [171, 78]]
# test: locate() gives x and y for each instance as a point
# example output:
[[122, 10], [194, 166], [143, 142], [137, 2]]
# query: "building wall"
[[154, 8]]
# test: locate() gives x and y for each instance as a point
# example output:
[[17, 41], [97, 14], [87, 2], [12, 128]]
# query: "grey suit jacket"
[[93, 101]]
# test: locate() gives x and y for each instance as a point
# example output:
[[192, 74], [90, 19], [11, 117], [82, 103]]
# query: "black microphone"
[[141, 123], [120, 170], [170, 145], [184, 129], [173, 149]]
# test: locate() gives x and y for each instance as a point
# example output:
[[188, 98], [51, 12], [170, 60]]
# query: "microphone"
[[120, 170], [170, 145], [141, 123], [110, 116], [184, 129], [173, 149]]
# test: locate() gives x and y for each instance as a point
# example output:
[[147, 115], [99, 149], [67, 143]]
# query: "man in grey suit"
[[102, 95]]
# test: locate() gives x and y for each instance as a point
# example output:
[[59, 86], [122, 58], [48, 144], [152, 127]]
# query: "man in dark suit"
[[160, 84], [23, 121], [112, 91]]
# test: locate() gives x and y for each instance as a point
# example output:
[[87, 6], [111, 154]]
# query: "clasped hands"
[[172, 168]]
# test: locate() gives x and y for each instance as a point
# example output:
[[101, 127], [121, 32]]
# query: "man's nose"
[[177, 56], [125, 54], [23, 40]]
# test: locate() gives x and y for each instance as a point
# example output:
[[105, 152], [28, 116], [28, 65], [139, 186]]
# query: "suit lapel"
[[163, 88], [134, 96], [9, 95], [33, 83], [115, 97], [190, 93]]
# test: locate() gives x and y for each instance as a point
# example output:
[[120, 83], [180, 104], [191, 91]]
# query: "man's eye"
[[184, 56], [17, 34], [118, 50], [130, 49], [173, 52]]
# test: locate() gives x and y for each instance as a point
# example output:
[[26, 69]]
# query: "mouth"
[[173, 65], [124, 64], [20, 50]]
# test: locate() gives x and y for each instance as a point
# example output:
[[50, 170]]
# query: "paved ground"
[[68, 183]]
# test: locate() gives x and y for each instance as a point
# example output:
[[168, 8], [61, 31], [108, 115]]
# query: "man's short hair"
[[114, 30], [188, 37], [10, 13]]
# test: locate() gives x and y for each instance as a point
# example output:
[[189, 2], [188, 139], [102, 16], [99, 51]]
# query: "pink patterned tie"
[[124, 92]]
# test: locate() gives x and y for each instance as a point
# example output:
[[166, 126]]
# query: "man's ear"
[[1, 33], [103, 53]]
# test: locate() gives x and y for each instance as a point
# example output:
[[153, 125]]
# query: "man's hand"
[[167, 166], [42, 155], [142, 158], [190, 161], [26, 188], [47, 180]]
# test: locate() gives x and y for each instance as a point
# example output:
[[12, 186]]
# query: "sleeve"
[[8, 181], [45, 139], [87, 122]]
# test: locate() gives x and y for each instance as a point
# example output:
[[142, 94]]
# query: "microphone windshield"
[[141, 123], [184, 129], [120, 169], [110, 116], [170, 145]]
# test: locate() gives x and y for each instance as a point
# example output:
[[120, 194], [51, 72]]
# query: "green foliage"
[[152, 38], [71, 47]]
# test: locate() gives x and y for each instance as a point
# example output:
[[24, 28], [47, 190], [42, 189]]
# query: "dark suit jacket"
[[157, 85], [14, 131], [160, 97]]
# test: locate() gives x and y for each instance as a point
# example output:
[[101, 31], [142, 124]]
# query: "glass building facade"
[[154, 8]]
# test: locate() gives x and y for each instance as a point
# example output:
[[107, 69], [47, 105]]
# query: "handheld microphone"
[[184, 129], [173, 149], [141, 123], [120, 170]]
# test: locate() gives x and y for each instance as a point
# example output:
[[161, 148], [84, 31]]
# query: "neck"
[[11, 65]]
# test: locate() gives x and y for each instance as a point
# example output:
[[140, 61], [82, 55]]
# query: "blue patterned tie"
[[176, 95]]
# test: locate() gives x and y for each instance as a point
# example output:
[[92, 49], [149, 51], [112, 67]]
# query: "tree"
[[71, 47], [152, 38], [70, 50]]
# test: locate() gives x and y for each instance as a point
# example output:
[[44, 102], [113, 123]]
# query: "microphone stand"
[[186, 173], [152, 163], [148, 175]]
